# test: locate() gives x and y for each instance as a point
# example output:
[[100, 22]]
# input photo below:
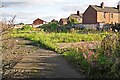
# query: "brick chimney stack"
[[118, 6], [78, 13], [102, 5]]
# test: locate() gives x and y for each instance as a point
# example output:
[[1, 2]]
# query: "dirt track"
[[41, 64]]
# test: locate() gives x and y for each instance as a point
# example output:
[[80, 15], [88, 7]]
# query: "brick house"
[[38, 22], [63, 21], [100, 14], [76, 18]]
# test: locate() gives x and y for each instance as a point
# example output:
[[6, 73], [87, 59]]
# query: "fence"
[[88, 26]]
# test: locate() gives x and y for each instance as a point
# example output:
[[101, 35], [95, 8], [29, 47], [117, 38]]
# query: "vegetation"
[[51, 27], [62, 37], [26, 28], [94, 63], [6, 45], [104, 62]]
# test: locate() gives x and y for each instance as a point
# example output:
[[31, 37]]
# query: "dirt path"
[[42, 64]]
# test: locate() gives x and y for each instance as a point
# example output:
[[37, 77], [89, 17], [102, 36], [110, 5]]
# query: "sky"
[[27, 11]]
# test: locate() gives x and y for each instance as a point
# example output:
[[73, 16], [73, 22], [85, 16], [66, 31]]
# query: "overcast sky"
[[28, 10]]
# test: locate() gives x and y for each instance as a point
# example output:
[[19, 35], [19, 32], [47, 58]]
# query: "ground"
[[30, 61], [89, 45]]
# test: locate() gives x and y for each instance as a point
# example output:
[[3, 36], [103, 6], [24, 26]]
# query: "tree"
[[27, 27], [51, 27], [21, 23]]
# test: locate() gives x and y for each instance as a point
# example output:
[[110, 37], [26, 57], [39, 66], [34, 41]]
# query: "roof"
[[39, 20], [54, 20], [75, 15], [106, 9], [64, 19]]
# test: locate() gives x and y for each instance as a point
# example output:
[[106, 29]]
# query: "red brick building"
[[38, 22], [101, 14]]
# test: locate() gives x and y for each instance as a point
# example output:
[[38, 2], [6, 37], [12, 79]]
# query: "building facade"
[[100, 14], [75, 18], [63, 21]]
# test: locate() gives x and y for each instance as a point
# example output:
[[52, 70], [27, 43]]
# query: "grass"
[[63, 37], [49, 40]]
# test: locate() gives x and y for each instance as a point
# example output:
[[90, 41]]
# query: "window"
[[79, 20], [104, 15], [111, 15]]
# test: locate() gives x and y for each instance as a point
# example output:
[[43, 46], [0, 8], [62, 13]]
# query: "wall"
[[107, 19], [90, 16], [76, 19]]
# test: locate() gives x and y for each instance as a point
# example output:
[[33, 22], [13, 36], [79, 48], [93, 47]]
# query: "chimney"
[[118, 6], [78, 13], [102, 5]]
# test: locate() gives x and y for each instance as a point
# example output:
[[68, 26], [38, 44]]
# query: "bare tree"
[[5, 27]]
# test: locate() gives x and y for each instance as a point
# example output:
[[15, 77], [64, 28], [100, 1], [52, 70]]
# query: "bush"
[[26, 27], [109, 60], [51, 27]]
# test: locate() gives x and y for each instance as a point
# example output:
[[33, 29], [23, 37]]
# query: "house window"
[[111, 15], [79, 20], [104, 15]]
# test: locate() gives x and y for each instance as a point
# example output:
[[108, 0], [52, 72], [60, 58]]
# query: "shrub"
[[110, 59], [51, 27], [26, 27]]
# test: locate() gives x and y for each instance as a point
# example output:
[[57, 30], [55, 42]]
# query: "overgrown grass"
[[49, 40], [64, 37]]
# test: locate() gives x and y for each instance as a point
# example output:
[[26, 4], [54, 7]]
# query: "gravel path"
[[42, 64]]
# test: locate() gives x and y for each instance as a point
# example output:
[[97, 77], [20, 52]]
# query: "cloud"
[[74, 7], [29, 10], [110, 2], [119, 2], [49, 18], [42, 1], [6, 14], [28, 3], [81, 6], [12, 4]]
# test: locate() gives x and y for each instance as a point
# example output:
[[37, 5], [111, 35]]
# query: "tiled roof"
[[39, 20], [105, 9], [75, 15]]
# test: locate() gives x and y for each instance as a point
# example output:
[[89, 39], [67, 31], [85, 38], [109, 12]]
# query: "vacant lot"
[[83, 51]]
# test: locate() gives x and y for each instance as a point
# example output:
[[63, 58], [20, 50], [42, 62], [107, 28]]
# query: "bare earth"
[[41, 64], [89, 45]]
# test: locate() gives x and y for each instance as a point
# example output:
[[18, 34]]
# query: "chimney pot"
[[102, 5]]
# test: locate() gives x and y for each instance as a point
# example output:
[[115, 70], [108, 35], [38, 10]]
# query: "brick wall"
[[108, 18], [90, 16]]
